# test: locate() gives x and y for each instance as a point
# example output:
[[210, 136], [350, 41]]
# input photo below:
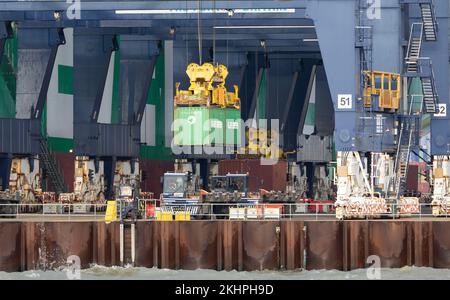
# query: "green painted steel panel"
[[7, 103], [65, 79], [8, 72], [311, 115], [57, 144], [262, 97], [154, 152], [232, 126], [156, 97], [115, 103], [415, 93]]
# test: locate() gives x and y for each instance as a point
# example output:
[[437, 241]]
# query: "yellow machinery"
[[382, 90], [263, 142], [88, 186], [24, 181], [207, 88]]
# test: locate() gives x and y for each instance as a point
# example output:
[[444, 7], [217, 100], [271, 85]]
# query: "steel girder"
[[92, 55], [37, 50], [102, 5], [294, 114]]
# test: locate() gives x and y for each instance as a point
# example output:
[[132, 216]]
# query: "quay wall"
[[229, 245]]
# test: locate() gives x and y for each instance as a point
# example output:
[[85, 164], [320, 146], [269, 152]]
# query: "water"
[[127, 273]]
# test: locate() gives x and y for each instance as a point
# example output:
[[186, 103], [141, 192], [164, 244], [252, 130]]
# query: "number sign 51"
[[345, 101]]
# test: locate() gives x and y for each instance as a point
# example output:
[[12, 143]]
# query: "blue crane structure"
[[304, 50]]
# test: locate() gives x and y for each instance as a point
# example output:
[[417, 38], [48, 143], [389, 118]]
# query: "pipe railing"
[[148, 210]]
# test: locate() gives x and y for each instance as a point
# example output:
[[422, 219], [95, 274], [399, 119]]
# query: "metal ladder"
[[50, 164], [127, 242], [365, 36], [429, 20]]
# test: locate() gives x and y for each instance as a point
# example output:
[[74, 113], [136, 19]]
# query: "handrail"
[[311, 210], [413, 26]]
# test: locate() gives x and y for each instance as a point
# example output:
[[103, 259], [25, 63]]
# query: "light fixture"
[[229, 12], [266, 27], [70, 150], [57, 15], [310, 40], [172, 30], [263, 43]]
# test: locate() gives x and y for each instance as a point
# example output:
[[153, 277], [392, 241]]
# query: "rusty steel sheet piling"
[[324, 245], [388, 241], [10, 247], [229, 245]]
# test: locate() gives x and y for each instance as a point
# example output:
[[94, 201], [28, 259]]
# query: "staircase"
[[50, 164], [429, 21], [429, 95], [414, 48], [405, 142], [421, 67]]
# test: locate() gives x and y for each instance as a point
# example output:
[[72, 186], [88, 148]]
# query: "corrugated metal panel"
[[269, 177], [118, 140], [314, 149], [19, 136], [107, 140]]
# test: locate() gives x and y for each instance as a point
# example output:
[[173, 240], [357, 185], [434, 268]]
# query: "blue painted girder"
[[100, 5]]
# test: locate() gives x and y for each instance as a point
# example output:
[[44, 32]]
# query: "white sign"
[[271, 213], [232, 125], [345, 101], [237, 213], [252, 213], [442, 110], [216, 124]]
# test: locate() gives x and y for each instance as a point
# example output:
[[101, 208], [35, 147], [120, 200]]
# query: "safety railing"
[[424, 67], [151, 210], [268, 211], [65, 210]]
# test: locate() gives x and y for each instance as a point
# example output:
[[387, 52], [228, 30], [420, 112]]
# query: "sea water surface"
[[133, 273]]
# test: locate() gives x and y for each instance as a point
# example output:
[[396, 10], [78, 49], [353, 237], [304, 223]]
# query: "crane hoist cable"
[[214, 33], [199, 31], [186, 36]]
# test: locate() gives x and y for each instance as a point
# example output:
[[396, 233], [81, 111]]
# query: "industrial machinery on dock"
[[441, 183], [181, 193], [373, 164]]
